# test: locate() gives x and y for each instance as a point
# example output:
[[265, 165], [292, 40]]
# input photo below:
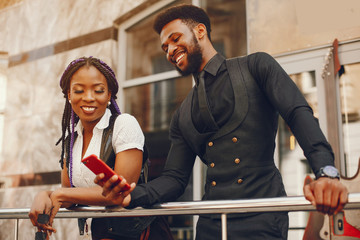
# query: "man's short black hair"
[[187, 13]]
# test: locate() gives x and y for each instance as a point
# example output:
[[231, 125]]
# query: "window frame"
[[314, 59], [122, 53]]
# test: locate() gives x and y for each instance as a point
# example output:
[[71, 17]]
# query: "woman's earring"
[[109, 103], [69, 101]]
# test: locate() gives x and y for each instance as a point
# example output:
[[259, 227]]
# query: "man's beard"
[[194, 60]]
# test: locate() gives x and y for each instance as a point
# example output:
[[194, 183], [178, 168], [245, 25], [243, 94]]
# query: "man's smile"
[[178, 57]]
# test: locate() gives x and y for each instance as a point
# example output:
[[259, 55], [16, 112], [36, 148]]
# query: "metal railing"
[[223, 207]]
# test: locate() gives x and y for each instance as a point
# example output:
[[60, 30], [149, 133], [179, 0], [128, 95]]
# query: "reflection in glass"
[[144, 55], [350, 109], [228, 19], [153, 104]]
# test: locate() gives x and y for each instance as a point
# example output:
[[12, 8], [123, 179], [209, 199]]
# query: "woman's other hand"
[[41, 206]]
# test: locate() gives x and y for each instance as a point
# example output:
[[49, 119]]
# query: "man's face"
[[181, 47]]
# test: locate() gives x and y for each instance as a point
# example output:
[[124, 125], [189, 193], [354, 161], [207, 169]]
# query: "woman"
[[91, 119]]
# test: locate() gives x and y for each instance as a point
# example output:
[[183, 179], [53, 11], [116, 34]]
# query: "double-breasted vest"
[[240, 155]]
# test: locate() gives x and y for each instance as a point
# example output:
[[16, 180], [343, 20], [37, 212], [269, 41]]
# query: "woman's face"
[[89, 95]]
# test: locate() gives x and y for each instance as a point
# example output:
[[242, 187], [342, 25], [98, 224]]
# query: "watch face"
[[331, 171]]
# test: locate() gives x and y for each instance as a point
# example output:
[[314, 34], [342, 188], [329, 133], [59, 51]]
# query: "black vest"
[[240, 154], [113, 227]]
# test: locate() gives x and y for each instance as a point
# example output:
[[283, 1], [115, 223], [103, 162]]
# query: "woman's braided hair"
[[69, 118]]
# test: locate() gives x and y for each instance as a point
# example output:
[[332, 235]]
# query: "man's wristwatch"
[[328, 171]]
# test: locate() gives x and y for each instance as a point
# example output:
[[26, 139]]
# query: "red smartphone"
[[98, 166]]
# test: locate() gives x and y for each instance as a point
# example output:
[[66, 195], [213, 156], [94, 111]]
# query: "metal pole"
[[16, 229], [280, 204], [223, 226]]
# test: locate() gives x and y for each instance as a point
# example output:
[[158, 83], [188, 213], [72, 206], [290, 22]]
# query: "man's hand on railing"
[[329, 196], [41, 207], [114, 192]]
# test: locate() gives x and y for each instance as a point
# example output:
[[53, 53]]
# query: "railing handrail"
[[279, 204]]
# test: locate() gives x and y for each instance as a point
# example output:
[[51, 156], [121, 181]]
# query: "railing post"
[[223, 226], [16, 228]]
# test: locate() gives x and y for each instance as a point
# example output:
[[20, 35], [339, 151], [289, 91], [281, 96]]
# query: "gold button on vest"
[[213, 183], [234, 139], [210, 144], [239, 181], [237, 160], [212, 164]]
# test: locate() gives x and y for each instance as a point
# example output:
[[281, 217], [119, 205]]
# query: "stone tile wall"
[[29, 34]]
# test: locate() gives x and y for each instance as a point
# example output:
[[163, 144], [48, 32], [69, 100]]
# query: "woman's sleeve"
[[127, 134]]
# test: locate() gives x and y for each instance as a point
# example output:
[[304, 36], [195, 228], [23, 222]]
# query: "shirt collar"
[[102, 124], [212, 66]]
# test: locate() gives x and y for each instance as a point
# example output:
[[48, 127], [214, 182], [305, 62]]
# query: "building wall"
[[41, 37], [34, 101], [278, 26]]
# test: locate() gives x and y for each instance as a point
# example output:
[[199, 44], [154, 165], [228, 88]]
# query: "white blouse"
[[127, 134]]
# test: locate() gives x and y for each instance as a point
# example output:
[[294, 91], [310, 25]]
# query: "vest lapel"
[[195, 138], [237, 76], [237, 72]]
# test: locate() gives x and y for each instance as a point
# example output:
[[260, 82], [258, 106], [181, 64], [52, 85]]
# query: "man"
[[229, 119]]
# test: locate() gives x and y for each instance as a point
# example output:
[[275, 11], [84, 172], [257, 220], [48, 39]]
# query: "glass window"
[[144, 54], [350, 110], [228, 21], [154, 103]]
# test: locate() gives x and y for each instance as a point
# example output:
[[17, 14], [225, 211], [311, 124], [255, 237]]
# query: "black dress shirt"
[[217, 82]]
